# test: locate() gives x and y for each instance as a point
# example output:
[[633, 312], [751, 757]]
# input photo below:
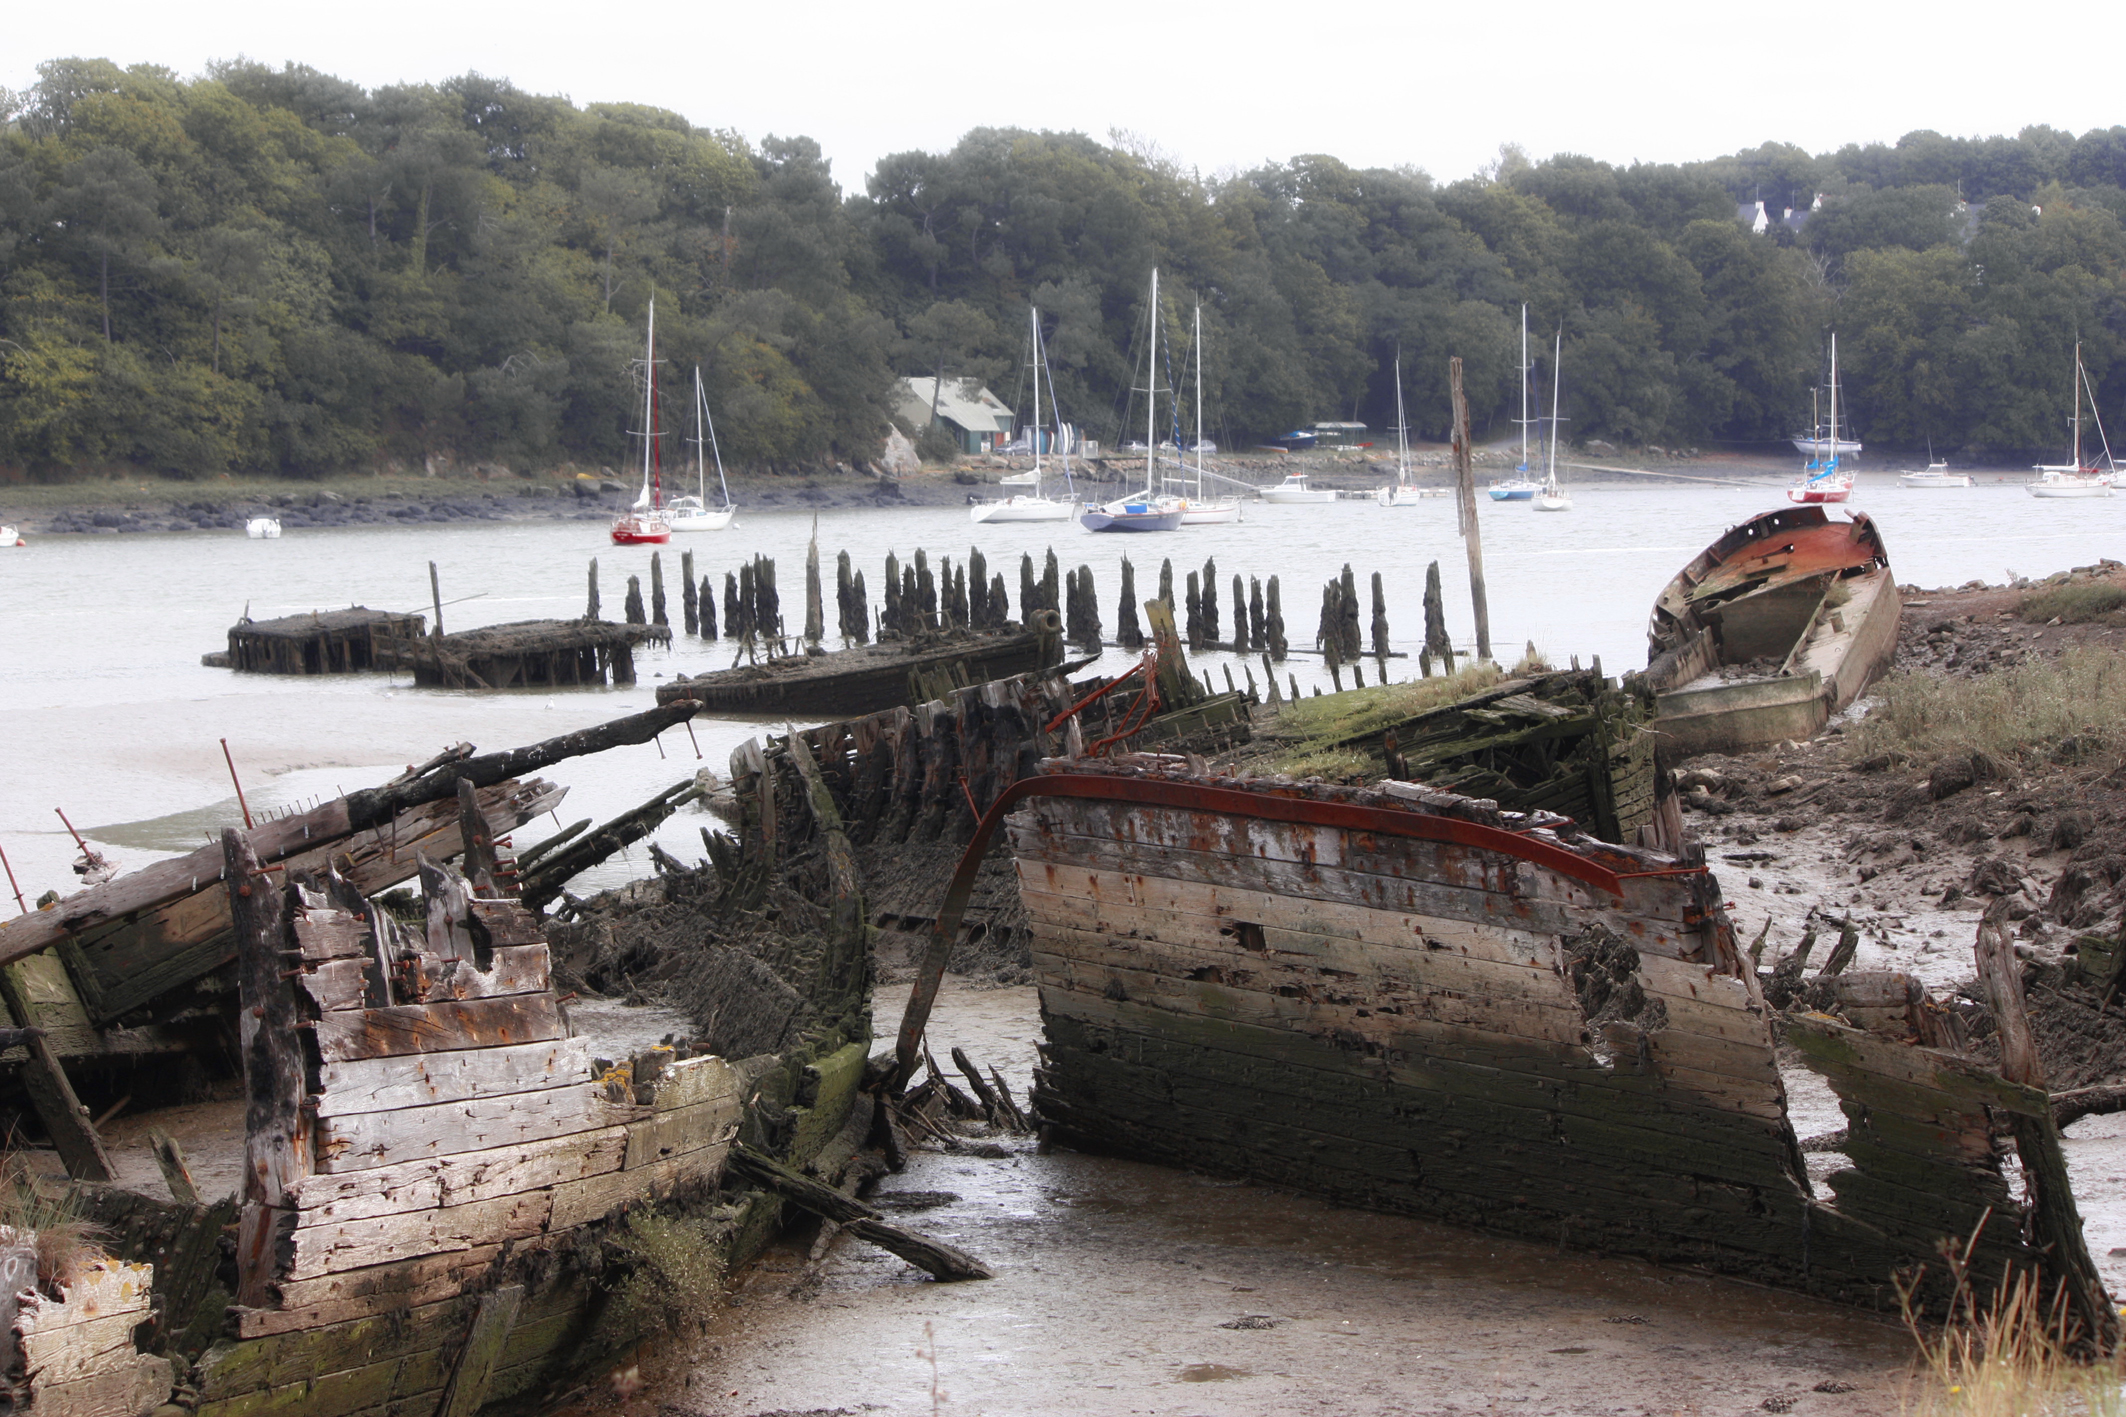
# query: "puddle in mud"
[[1117, 1281]]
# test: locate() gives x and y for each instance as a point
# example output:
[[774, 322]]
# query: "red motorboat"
[[645, 523]]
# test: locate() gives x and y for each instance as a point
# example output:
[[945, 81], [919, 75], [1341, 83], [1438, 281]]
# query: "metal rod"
[[70, 831], [11, 881], [232, 769]]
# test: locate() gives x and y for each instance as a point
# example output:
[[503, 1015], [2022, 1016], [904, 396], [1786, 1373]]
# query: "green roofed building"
[[978, 418]]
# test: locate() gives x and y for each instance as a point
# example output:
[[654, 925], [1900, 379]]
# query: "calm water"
[[109, 715]]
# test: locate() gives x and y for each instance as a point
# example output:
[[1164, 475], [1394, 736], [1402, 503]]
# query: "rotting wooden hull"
[[1404, 1001], [869, 678], [1792, 588]]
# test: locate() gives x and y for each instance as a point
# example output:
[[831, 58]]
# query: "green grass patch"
[[2073, 604], [2020, 713], [1307, 737]]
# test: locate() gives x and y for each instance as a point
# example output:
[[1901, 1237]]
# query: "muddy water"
[[1125, 1288]]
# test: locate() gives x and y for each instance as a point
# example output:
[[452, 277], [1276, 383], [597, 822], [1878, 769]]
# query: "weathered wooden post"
[[1352, 645], [1127, 633], [1210, 600], [1051, 582], [731, 613], [1279, 646], [657, 613], [911, 599], [708, 610], [1269, 676], [1029, 598], [1166, 580], [962, 612], [815, 612], [860, 609], [590, 609], [999, 602], [926, 592], [1091, 597], [634, 601], [276, 1134], [978, 589], [688, 605], [1258, 633], [1437, 642], [1465, 509], [1192, 623], [844, 598], [1380, 627], [1240, 616], [890, 621], [435, 589]]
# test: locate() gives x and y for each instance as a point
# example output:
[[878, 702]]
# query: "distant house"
[[978, 418]]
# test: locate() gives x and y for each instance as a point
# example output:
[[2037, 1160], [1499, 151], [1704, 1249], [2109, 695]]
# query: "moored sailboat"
[[1033, 506], [693, 512], [1521, 487], [1553, 497], [2077, 478], [1823, 480], [1402, 492], [644, 523], [1149, 511], [1200, 509]]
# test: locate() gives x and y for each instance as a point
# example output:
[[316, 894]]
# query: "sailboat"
[[1031, 506], [1402, 492], [1520, 487], [1150, 511], [1201, 510], [1823, 480], [1552, 497], [644, 523], [2077, 478], [693, 512]]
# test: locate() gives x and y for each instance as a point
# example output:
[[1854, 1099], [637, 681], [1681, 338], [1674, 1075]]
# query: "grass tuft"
[[2073, 604], [2010, 714], [2015, 1355], [66, 1243]]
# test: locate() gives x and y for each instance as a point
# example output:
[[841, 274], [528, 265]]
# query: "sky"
[[1377, 84]]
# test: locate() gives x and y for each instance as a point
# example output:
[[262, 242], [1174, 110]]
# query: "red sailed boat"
[[645, 523]]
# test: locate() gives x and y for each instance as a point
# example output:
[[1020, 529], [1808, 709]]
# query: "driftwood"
[[2071, 1106], [542, 883], [940, 1260]]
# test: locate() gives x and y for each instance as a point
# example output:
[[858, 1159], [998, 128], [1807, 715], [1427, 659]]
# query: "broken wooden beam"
[[940, 1260]]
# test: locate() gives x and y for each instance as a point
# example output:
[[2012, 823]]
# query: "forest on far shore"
[[275, 271]]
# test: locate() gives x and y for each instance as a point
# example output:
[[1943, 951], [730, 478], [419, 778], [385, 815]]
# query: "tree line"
[[274, 270]]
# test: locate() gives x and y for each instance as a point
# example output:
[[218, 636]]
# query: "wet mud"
[[1128, 1288]]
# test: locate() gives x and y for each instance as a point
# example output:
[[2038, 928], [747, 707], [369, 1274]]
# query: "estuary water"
[[109, 716]]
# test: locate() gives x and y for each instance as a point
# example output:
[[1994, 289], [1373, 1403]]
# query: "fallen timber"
[[322, 642], [1769, 631], [450, 1204], [1408, 1000], [523, 654], [868, 678]]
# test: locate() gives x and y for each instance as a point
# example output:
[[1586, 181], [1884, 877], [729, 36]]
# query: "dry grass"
[[2074, 604], [65, 1242], [2015, 1355], [2032, 709]]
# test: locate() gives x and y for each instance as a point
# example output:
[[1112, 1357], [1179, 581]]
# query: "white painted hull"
[[1398, 496], [1297, 496], [263, 528], [1934, 479], [700, 521], [1210, 513], [1022, 509], [1552, 502], [1821, 448], [10, 537], [2065, 488]]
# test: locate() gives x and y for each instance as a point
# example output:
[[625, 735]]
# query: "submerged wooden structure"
[[1409, 1000], [523, 654], [868, 678], [1770, 630], [321, 642]]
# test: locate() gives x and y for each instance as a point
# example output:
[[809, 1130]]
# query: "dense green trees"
[[271, 269]]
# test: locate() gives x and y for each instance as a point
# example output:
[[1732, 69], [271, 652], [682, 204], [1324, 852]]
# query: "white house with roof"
[[978, 418]]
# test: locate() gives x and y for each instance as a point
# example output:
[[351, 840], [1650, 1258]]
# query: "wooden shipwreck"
[[452, 1187], [868, 678], [523, 654], [1770, 630], [1409, 1000], [322, 642]]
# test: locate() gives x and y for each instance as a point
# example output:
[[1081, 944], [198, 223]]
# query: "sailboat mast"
[[1557, 353], [1524, 389], [701, 452], [649, 397], [1034, 429], [1833, 462], [1199, 400], [1402, 428], [1151, 392], [2077, 405]]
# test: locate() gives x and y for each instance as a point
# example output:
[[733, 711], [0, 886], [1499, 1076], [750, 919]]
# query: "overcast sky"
[[1214, 87]]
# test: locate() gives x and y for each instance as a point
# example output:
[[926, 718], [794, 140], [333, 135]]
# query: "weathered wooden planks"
[[437, 1028], [424, 1079]]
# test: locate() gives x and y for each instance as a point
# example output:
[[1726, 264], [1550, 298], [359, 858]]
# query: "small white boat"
[[1551, 496], [10, 537], [1400, 493], [2077, 478], [1194, 513], [1030, 506], [644, 523], [1199, 508], [693, 512], [1936, 475], [263, 528], [1294, 491]]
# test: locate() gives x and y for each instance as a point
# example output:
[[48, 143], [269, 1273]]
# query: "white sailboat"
[[1822, 479], [1202, 510], [262, 528], [1402, 492], [1034, 506], [1553, 497], [693, 513], [2077, 478], [1936, 475], [1520, 487], [643, 524], [1150, 511]]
